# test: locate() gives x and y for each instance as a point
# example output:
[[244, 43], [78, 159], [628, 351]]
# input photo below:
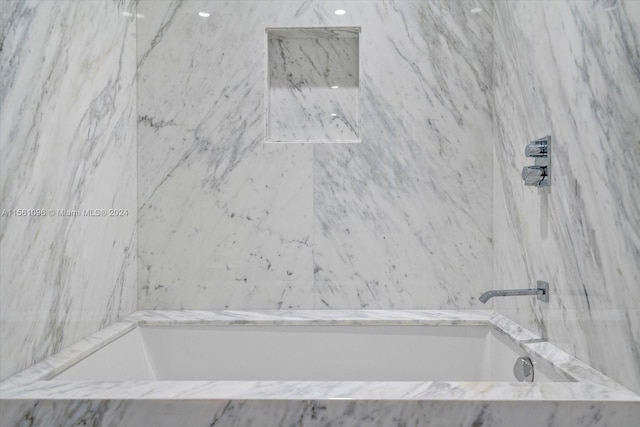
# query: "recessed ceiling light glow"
[[335, 87], [340, 12], [204, 14], [476, 10], [127, 14], [334, 115]]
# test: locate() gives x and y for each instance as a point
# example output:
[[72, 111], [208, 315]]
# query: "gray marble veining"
[[313, 85], [589, 401], [400, 220], [325, 413], [67, 143], [572, 70], [34, 382]]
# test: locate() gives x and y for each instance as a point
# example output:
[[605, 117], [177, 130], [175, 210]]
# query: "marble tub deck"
[[586, 384]]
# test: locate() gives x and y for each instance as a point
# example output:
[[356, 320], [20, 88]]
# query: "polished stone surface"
[[593, 400], [405, 219], [588, 384], [400, 220], [313, 85], [323, 413], [577, 79], [67, 143]]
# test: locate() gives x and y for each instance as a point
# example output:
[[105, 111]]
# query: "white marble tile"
[[321, 413], [224, 219], [346, 413], [401, 220], [570, 69], [327, 317], [67, 141], [292, 390]]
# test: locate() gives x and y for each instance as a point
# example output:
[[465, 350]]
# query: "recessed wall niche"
[[313, 85]]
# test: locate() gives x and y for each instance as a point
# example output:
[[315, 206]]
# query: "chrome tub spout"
[[542, 291]]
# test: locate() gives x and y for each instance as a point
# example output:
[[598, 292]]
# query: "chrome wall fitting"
[[538, 175], [541, 291], [544, 286], [523, 370]]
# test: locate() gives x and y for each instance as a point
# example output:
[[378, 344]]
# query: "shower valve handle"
[[533, 175], [536, 149]]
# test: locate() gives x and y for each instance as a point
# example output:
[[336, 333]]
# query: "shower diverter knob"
[[534, 175], [536, 149]]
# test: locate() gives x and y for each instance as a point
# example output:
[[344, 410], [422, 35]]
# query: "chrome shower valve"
[[538, 175]]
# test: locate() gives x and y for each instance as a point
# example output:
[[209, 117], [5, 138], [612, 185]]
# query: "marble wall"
[[572, 70], [400, 220], [67, 143], [405, 219]]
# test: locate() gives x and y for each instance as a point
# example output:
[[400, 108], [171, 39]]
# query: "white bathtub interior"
[[306, 353]]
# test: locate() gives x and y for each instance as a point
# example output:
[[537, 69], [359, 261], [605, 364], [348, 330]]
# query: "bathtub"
[[309, 367], [305, 353]]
